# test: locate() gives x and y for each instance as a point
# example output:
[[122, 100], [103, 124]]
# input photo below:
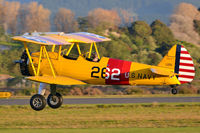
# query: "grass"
[[108, 130], [153, 115]]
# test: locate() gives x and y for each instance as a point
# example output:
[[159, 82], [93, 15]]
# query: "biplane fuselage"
[[106, 71]]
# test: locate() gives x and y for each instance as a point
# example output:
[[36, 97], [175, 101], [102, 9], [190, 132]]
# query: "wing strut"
[[50, 63], [29, 56], [43, 54], [95, 46], [39, 59], [91, 47]]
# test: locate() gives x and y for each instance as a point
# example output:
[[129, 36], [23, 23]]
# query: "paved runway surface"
[[108, 100]]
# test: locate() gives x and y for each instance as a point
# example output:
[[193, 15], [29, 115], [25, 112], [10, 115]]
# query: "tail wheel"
[[174, 91], [37, 102], [54, 101]]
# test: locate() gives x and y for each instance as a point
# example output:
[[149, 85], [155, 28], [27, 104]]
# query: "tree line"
[[18, 18]]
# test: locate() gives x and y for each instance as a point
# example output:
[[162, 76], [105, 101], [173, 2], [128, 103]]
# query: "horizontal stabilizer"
[[161, 71], [57, 80]]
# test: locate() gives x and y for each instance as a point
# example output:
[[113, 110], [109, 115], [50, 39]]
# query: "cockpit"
[[74, 51]]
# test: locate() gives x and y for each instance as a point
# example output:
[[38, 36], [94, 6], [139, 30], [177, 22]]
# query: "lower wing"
[[55, 80]]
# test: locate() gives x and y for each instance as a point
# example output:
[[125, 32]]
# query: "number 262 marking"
[[115, 72]]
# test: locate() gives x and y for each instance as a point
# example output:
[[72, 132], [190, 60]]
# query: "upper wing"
[[45, 40], [85, 37], [163, 72], [60, 38], [57, 80]]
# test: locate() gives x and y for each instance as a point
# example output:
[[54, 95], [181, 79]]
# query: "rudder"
[[179, 60]]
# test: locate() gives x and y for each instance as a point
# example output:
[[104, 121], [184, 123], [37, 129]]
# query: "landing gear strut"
[[174, 90], [54, 100]]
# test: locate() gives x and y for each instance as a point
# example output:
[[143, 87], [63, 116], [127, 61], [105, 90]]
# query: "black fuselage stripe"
[[178, 52]]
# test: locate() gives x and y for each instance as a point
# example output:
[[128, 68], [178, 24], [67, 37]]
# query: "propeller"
[[23, 62], [18, 61]]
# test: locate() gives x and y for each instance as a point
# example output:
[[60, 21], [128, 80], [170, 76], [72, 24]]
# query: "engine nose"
[[18, 61], [24, 64]]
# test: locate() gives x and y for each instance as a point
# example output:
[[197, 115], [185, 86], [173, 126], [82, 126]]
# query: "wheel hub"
[[37, 102], [54, 100]]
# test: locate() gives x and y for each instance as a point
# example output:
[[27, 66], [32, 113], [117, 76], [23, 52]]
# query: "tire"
[[58, 100], [174, 91], [37, 102]]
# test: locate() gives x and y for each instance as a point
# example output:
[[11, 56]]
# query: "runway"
[[108, 100]]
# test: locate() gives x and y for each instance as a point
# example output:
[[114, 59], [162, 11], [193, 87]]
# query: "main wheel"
[[174, 91], [54, 101], [37, 102]]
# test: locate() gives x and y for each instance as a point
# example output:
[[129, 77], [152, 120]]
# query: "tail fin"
[[181, 62]]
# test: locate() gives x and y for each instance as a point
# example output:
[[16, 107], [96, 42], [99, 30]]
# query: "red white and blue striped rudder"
[[184, 65]]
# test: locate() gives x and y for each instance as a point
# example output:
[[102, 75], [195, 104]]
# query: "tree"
[[10, 19], [197, 26], [140, 28], [105, 18], [8, 13], [182, 23], [83, 23], [187, 10], [117, 49], [2, 12], [2, 31], [161, 32], [147, 57], [34, 17], [127, 17], [141, 36], [163, 36], [64, 21]]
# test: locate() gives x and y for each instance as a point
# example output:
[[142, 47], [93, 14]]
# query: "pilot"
[[95, 57]]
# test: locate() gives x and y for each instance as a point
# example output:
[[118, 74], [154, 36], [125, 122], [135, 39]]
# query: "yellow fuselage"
[[106, 71]]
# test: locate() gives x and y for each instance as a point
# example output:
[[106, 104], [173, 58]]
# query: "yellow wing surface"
[[85, 37], [56, 80], [44, 40], [60, 38]]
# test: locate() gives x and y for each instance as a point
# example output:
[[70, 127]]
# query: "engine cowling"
[[24, 64]]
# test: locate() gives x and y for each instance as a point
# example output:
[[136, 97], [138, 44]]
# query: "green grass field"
[[107, 130], [103, 116]]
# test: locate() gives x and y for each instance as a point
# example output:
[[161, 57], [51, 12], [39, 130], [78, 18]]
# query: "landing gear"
[[174, 90], [54, 100], [37, 102]]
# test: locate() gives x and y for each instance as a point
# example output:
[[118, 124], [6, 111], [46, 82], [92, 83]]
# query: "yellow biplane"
[[57, 67]]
